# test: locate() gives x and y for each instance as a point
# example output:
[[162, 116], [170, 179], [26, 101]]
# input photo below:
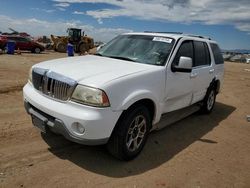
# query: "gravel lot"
[[199, 151]]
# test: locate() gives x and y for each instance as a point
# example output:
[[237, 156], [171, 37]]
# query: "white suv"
[[117, 96]]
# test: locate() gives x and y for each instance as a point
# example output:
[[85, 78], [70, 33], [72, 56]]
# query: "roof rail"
[[180, 33], [198, 36]]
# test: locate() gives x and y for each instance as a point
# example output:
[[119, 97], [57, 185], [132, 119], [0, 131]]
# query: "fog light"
[[81, 129], [78, 127]]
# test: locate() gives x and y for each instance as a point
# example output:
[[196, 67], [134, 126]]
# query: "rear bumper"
[[60, 117]]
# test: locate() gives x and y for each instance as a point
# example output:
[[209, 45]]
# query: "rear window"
[[217, 53]]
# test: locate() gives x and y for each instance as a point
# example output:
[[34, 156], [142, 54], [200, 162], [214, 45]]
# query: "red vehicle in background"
[[22, 43]]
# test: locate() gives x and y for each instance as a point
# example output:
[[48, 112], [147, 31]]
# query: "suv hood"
[[93, 70]]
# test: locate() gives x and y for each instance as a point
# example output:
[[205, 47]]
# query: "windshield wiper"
[[122, 58]]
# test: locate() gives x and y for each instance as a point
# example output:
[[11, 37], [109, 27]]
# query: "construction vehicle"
[[82, 43]]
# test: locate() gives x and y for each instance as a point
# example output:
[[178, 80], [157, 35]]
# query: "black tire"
[[61, 47], [37, 50], [82, 48], [208, 101], [130, 133]]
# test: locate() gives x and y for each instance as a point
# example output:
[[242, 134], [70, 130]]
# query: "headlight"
[[90, 96], [30, 75]]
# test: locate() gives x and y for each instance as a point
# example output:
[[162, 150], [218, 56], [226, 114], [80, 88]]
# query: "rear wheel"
[[209, 101], [37, 50], [130, 134]]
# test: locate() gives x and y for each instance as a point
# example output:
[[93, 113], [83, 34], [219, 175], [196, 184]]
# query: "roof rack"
[[180, 33], [198, 36]]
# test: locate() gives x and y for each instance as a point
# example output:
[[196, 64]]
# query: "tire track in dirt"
[[11, 89]]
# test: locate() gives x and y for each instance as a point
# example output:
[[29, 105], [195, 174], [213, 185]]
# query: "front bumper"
[[60, 117]]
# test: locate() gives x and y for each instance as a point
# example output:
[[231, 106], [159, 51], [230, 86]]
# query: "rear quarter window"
[[217, 53]]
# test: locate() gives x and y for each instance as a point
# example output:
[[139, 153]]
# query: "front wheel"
[[209, 101], [61, 47], [130, 134], [82, 48]]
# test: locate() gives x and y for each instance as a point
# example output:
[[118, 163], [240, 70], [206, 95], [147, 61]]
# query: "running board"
[[177, 115]]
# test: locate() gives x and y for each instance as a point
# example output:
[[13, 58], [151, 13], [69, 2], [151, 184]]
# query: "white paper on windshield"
[[162, 39]]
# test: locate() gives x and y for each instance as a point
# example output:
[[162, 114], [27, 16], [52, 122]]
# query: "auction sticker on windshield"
[[162, 39]]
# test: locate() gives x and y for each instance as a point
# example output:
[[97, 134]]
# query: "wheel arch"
[[143, 97], [147, 102], [216, 85]]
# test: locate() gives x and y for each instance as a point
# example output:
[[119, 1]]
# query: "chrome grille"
[[53, 84]]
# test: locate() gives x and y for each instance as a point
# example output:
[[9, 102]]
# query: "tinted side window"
[[12, 38], [202, 56], [20, 39], [186, 49], [217, 54], [17, 39]]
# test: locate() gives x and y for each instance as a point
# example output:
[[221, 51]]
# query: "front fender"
[[137, 96], [126, 91]]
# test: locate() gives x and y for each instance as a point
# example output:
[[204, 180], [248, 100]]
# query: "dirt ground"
[[199, 151]]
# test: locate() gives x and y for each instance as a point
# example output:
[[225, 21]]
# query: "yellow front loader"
[[81, 43]]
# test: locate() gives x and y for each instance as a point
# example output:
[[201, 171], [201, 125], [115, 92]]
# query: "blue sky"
[[225, 21]]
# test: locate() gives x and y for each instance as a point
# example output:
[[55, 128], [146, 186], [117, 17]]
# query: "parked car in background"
[[22, 43]]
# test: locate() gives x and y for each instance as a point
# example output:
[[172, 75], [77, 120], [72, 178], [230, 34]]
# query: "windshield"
[[139, 48]]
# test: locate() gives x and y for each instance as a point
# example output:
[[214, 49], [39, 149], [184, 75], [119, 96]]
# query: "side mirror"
[[185, 65]]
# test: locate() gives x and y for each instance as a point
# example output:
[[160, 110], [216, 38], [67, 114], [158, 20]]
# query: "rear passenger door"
[[203, 72]]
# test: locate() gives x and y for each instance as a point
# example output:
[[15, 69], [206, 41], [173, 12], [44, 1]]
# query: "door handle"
[[193, 75], [211, 71]]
